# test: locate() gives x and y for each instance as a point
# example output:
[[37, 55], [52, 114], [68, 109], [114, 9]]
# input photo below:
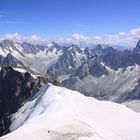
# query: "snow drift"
[[56, 113]]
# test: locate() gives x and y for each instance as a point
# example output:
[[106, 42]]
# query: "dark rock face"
[[31, 49], [1, 59], [118, 60], [131, 95], [10, 60], [15, 88], [82, 71], [88, 52], [103, 50], [127, 52], [94, 67], [66, 64], [137, 48], [135, 93], [70, 83], [98, 50]]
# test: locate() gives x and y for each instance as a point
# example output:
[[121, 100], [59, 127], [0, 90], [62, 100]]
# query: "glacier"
[[57, 113]]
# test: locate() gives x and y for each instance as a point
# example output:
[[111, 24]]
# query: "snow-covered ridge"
[[56, 113]]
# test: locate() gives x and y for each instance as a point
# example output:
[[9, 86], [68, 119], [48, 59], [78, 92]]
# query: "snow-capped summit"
[[50, 44], [56, 113]]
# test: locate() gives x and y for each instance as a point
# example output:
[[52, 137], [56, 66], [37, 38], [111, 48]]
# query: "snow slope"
[[56, 113]]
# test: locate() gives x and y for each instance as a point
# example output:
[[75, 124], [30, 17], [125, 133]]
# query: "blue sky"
[[62, 18]]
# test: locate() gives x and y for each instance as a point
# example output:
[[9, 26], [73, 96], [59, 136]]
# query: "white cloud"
[[97, 37], [19, 38], [127, 39], [13, 36], [122, 33], [79, 37], [135, 32], [32, 38]]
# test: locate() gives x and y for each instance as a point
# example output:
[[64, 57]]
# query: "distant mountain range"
[[102, 72]]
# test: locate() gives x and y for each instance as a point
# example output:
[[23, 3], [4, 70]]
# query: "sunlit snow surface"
[[56, 113]]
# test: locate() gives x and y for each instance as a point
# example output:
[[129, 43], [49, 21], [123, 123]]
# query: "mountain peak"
[[10, 60], [98, 49], [137, 48]]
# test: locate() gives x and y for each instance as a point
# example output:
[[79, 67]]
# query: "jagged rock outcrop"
[[67, 63], [31, 49], [96, 68], [93, 67], [10, 60], [7, 45], [134, 94], [118, 60], [103, 50], [137, 48]]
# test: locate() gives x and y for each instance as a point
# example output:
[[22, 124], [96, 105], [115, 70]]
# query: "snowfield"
[[56, 113]]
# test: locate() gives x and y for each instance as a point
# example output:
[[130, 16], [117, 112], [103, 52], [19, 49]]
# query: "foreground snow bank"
[[56, 113]]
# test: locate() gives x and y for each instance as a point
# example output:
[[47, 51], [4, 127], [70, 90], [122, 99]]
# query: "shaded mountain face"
[[132, 95], [92, 67], [7, 45], [15, 88], [68, 62], [98, 50], [1, 59], [137, 48], [101, 50], [96, 68], [31, 49], [116, 61], [10, 60], [121, 60]]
